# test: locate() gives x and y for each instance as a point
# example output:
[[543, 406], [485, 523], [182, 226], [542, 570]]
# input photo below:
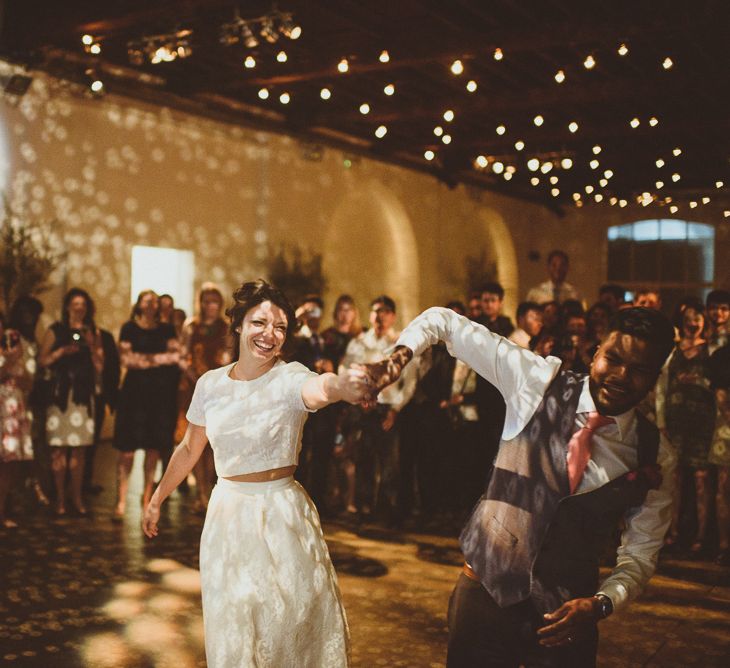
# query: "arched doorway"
[[370, 249]]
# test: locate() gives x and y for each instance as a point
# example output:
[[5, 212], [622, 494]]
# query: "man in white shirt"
[[529, 324], [575, 459], [377, 473], [556, 288]]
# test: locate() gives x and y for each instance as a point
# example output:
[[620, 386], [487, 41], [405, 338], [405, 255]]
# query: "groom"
[[575, 459]]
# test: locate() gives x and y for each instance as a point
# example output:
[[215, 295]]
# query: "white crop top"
[[252, 425]]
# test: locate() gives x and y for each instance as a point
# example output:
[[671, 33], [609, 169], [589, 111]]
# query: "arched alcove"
[[502, 252], [370, 248]]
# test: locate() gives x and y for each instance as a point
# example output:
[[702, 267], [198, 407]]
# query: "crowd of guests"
[[423, 451]]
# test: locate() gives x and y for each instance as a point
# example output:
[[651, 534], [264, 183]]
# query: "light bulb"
[[659, 163], [498, 55], [596, 149], [560, 76], [546, 167], [594, 164], [573, 126], [667, 64], [325, 93], [457, 67], [249, 63], [501, 129], [389, 89], [471, 86], [285, 98], [429, 155], [519, 145], [538, 120], [555, 192], [438, 130], [448, 115], [364, 108], [482, 161], [533, 164], [623, 50], [534, 181], [384, 56], [343, 66], [381, 131], [446, 139], [589, 63], [281, 57], [264, 94], [566, 163], [498, 167], [634, 122]]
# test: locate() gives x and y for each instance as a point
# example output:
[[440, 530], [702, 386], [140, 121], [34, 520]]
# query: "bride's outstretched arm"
[[327, 388]]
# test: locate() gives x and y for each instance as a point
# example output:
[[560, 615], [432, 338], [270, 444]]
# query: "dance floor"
[[89, 593]]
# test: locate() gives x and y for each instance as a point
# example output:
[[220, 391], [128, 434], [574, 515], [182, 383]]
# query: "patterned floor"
[[89, 593]]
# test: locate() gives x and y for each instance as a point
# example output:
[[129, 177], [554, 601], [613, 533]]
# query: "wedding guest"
[[17, 367], [556, 288], [150, 352], [72, 348]]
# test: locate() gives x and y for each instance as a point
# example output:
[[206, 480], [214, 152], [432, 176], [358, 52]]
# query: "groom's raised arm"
[[507, 366]]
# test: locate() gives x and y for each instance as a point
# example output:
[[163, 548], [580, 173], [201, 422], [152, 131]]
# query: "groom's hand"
[[382, 374]]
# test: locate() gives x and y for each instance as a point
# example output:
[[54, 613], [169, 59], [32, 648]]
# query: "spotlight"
[[249, 39]]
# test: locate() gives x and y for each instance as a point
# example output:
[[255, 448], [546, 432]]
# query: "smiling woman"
[[270, 593]]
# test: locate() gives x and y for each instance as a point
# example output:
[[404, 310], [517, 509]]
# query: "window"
[[675, 257], [166, 271]]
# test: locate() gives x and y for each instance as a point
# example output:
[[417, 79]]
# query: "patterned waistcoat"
[[528, 536]]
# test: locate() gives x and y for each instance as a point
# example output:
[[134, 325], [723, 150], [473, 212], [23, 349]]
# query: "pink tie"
[[579, 448]]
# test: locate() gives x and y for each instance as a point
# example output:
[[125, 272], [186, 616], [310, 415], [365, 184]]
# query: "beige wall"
[[114, 173]]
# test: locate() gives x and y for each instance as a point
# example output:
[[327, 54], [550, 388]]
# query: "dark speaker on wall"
[[18, 84]]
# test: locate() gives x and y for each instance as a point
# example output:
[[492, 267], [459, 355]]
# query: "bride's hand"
[[150, 520], [353, 385]]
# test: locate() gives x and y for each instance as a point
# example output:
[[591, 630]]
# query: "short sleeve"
[[196, 411], [127, 332], [296, 375]]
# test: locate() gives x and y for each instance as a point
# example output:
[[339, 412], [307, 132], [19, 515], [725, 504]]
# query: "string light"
[[511, 169], [95, 49], [677, 151], [554, 179], [364, 108], [97, 86], [726, 214], [634, 122], [264, 94], [653, 121], [281, 57], [343, 66], [384, 56], [429, 155], [659, 163], [457, 67], [535, 181], [446, 139], [498, 55], [533, 164], [507, 176], [576, 196], [389, 89], [590, 62], [381, 131], [566, 163], [603, 183], [519, 145], [482, 161], [622, 203], [719, 184], [500, 130], [659, 185], [560, 76], [546, 167], [438, 130], [498, 167], [573, 127], [693, 205], [613, 201], [668, 63], [589, 189], [249, 63], [555, 192], [538, 120], [448, 115], [596, 149], [594, 164], [325, 93], [471, 86], [87, 40], [623, 50], [608, 173], [676, 177], [705, 200], [598, 197], [285, 98], [674, 208]]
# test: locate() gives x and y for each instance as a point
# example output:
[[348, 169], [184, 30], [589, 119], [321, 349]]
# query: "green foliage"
[[29, 253], [479, 270], [296, 272]]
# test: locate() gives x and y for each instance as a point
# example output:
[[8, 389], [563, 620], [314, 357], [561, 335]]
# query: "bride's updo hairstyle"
[[252, 294]]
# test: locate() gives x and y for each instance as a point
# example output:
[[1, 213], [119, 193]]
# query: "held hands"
[[568, 622], [352, 385], [150, 520], [382, 374]]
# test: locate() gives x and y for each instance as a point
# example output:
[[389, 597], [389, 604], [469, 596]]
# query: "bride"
[[270, 593]]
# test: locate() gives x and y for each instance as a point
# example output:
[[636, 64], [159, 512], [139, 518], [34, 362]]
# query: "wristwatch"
[[605, 606]]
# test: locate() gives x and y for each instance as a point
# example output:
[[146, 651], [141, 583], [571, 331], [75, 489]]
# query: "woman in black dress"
[[149, 351]]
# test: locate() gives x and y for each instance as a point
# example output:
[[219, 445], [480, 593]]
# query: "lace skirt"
[[270, 593]]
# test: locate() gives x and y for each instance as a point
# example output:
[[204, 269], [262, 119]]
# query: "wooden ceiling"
[[537, 39]]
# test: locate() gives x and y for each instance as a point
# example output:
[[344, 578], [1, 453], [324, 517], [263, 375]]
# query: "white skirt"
[[270, 594]]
